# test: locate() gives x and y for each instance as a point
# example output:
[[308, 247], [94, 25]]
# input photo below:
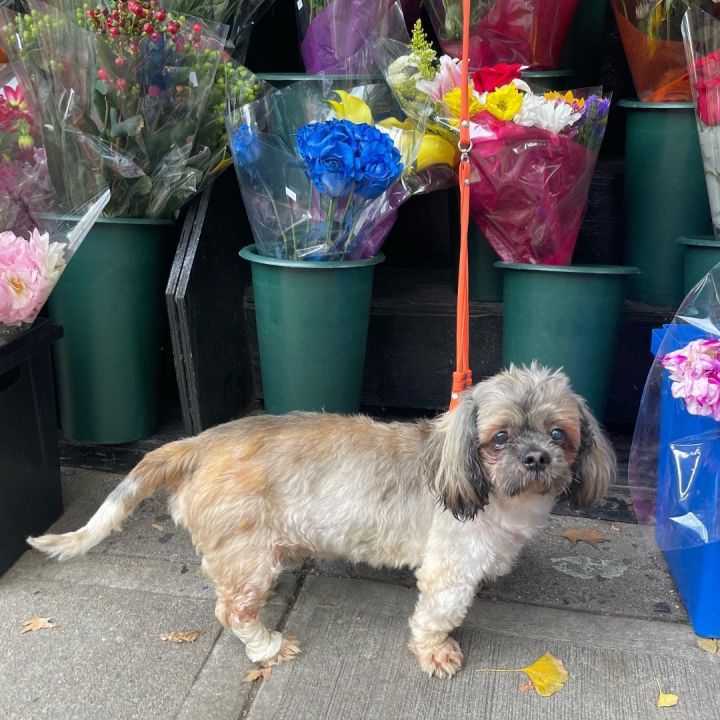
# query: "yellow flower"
[[351, 108], [505, 102], [568, 97], [452, 102], [433, 150]]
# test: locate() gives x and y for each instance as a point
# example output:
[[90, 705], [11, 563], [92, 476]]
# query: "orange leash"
[[462, 377]]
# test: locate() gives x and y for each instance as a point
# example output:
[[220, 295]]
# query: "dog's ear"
[[453, 461], [596, 466]]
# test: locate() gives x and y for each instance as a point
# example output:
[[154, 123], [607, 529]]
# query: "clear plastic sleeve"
[[674, 468], [530, 185], [323, 167], [652, 39], [701, 35], [336, 36], [529, 32], [128, 105], [239, 15]]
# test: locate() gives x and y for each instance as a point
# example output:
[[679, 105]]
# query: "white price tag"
[[290, 194], [300, 4]]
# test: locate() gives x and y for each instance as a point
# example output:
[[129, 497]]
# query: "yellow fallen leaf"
[[667, 700], [709, 645], [37, 623], [547, 674], [178, 636], [258, 674], [591, 536]]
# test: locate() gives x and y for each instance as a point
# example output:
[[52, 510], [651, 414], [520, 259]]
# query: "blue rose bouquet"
[[322, 172]]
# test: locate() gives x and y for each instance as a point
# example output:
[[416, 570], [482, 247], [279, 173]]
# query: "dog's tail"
[[164, 467]]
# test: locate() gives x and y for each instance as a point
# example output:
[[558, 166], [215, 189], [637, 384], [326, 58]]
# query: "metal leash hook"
[[462, 377]]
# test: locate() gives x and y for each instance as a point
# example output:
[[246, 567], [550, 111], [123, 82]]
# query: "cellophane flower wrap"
[[533, 155], [323, 169], [239, 15], [528, 32], [337, 36], [651, 35], [674, 467], [39, 230], [701, 33], [128, 86]]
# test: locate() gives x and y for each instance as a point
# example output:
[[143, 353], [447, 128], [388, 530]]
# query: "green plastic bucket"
[[665, 196], [584, 43], [565, 316], [485, 280], [312, 323], [110, 301], [700, 255]]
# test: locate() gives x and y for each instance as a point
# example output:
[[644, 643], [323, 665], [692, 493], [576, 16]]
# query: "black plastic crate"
[[30, 491]]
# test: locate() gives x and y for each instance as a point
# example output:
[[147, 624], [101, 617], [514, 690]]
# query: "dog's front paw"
[[442, 661], [289, 650]]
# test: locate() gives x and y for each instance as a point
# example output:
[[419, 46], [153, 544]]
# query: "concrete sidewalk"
[[611, 614]]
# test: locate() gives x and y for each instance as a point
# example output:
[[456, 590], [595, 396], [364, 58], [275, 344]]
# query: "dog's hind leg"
[[240, 600]]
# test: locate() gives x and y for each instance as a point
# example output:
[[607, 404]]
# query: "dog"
[[455, 498]]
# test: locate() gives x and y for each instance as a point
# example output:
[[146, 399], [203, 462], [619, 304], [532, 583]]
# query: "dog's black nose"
[[536, 460]]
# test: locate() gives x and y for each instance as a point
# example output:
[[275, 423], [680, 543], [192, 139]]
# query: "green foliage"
[[422, 52]]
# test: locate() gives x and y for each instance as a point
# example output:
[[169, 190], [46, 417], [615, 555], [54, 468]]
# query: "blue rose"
[[329, 151], [378, 165], [245, 146]]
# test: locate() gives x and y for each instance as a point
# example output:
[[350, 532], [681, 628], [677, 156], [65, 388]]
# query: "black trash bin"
[[30, 492]]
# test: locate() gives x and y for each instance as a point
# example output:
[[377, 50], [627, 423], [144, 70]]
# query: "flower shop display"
[[664, 196], [133, 92], [674, 468], [337, 36], [322, 173], [527, 32]]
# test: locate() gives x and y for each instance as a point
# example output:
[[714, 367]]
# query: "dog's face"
[[521, 431]]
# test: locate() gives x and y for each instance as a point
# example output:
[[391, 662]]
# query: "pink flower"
[[15, 97], [695, 374], [448, 77], [29, 269]]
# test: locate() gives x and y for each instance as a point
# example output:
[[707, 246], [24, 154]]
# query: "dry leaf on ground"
[[37, 623], [258, 674], [591, 536], [547, 674], [667, 700], [615, 527], [188, 636], [526, 686], [709, 645], [158, 526]]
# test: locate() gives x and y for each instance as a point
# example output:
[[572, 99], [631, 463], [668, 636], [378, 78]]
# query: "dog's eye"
[[500, 438], [557, 435]]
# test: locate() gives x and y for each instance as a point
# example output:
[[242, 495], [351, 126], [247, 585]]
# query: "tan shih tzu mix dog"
[[455, 498]]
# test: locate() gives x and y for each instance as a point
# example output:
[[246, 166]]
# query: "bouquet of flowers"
[[39, 232], [125, 88], [322, 172], [701, 33], [533, 155], [651, 36], [239, 15], [336, 36], [528, 32]]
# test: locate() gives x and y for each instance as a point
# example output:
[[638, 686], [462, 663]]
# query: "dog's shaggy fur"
[[455, 497]]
